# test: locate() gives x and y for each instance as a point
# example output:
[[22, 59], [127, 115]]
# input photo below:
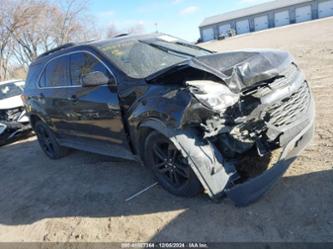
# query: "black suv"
[[198, 119]]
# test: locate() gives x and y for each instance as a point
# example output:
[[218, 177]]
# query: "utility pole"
[[156, 27]]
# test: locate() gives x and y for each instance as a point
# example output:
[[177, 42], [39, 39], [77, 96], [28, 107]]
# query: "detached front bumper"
[[249, 191], [12, 130]]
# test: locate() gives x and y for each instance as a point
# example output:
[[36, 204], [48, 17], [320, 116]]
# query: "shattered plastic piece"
[[141, 191], [215, 126], [212, 94]]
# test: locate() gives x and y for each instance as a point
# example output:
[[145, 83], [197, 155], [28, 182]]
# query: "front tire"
[[170, 168], [48, 142]]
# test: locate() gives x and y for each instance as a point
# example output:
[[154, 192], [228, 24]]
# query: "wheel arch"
[[205, 160], [34, 118], [144, 128]]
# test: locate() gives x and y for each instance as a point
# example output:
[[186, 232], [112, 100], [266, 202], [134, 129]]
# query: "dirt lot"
[[82, 197]]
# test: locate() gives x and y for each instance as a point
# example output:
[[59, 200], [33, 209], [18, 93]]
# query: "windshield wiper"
[[167, 50]]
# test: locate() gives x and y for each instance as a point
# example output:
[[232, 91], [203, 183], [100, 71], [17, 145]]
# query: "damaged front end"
[[254, 111], [14, 123]]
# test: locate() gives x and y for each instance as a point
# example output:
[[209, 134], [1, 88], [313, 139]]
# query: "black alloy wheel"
[[170, 167], [48, 142]]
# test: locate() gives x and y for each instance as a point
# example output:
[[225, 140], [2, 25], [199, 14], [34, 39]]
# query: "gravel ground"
[[82, 197]]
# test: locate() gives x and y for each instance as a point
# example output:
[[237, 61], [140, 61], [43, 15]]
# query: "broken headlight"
[[213, 95]]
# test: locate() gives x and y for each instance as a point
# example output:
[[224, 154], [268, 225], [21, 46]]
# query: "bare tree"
[[73, 23], [47, 25], [35, 35], [31, 27], [7, 26]]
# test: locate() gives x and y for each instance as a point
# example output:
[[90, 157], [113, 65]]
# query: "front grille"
[[289, 109], [285, 77]]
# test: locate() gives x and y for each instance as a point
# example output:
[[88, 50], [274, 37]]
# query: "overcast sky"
[[180, 18]]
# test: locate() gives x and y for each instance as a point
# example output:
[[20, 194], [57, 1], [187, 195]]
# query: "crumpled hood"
[[243, 69]]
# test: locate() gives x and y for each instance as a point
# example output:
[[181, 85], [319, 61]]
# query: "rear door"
[[93, 113], [52, 93]]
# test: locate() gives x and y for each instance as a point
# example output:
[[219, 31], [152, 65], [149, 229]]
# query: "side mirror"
[[95, 78]]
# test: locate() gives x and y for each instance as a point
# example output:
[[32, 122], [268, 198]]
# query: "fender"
[[33, 109], [205, 160], [34, 115]]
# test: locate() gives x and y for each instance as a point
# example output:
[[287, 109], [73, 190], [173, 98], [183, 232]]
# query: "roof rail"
[[120, 35], [67, 45]]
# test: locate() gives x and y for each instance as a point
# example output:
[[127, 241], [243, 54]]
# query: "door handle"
[[73, 98]]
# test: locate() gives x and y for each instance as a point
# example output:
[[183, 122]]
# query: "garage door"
[[260, 23], [325, 9], [303, 13], [243, 27], [223, 29], [281, 18], [208, 34]]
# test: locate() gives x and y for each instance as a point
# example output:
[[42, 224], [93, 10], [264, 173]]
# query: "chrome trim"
[[286, 91], [66, 54]]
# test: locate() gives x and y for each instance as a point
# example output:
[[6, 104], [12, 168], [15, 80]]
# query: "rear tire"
[[170, 168], [48, 141]]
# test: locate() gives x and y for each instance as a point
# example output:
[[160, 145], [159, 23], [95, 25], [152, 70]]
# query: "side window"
[[84, 63], [42, 80], [56, 73], [33, 75]]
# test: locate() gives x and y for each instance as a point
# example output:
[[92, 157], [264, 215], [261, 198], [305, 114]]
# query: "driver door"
[[94, 116]]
